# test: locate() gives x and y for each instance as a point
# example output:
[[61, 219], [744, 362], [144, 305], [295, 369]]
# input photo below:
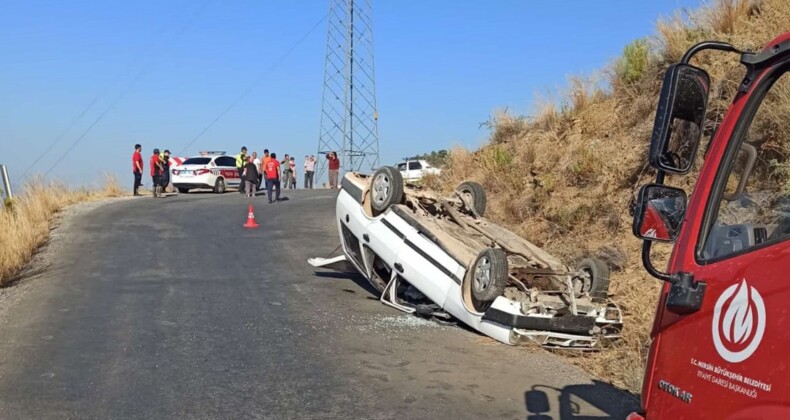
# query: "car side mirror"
[[659, 213], [680, 118]]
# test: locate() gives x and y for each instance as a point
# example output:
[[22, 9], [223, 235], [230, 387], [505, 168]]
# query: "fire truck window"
[[759, 211]]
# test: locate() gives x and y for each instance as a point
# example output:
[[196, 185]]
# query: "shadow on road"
[[348, 275], [598, 400]]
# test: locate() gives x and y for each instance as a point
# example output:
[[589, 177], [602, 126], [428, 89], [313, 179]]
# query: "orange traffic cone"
[[251, 219]]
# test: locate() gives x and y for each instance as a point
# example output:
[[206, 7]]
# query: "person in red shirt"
[[137, 167], [156, 173], [271, 172], [334, 168]]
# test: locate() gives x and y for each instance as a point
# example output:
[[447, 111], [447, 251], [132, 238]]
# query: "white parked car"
[[415, 169], [439, 257], [215, 172]]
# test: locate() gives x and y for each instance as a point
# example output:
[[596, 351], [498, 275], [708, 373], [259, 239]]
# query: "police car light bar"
[[212, 153]]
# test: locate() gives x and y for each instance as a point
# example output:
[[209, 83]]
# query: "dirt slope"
[[565, 177]]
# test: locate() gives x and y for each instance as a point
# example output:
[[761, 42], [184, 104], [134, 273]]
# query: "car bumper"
[[191, 185], [201, 181]]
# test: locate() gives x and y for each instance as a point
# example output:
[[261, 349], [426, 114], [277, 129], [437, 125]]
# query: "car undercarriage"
[[507, 281]]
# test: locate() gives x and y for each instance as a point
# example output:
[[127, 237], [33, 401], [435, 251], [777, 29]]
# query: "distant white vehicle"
[[211, 170], [415, 169]]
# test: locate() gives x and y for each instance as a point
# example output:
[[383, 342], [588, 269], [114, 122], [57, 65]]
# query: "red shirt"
[[334, 164], [137, 157], [271, 169], [155, 171]]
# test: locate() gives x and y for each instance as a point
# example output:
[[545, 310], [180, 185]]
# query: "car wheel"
[[594, 279], [183, 190], [219, 186], [489, 276], [474, 194], [386, 189]]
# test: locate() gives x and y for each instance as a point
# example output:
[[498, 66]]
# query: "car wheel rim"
[[381, 188], [583, 283], [468, 197], [483, 274]]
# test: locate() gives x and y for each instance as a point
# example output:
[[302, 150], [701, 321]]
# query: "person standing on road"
[[272, 174], [156, 173], [241, 159], [334, 169], [309, 171], [165, 158], [292, 167], [257, 162], [137, 167], [264, 161], [286, 179], [251, 177]]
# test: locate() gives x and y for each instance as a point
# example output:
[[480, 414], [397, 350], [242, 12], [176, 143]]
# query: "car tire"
[[475, 194], [183, 190], [488, 276], [598, 273], [386, 189], [219, 186]]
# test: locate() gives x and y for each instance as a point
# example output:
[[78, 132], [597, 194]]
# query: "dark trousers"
[[308, 179], [157, 180], [270, 184], [260, 182], [138, 180], [241, 180]]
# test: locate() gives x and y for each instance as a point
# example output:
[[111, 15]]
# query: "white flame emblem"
[[738, 322]]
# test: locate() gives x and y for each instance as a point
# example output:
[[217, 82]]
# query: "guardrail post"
[[6, 185]]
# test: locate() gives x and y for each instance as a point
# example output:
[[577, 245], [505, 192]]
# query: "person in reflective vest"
[[164, 157], [241, 159]]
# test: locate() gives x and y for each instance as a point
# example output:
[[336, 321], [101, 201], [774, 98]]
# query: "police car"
[[210, 170]]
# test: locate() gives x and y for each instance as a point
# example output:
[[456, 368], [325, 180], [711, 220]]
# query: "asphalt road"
[[168, 308]]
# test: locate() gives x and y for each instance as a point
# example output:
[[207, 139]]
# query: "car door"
[[415, 169], [228, 170], [729, 357], [423, 263]]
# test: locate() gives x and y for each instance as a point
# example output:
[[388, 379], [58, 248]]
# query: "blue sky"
[[162, 70]]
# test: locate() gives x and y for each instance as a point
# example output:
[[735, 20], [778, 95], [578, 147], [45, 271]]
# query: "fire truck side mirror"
[[680, 119], [660, 211]]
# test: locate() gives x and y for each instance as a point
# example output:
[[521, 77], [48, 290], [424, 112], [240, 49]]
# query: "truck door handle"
[[366, 237], [398, 267]]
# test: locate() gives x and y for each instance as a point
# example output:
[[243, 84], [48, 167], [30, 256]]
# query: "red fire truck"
[[719, 338]]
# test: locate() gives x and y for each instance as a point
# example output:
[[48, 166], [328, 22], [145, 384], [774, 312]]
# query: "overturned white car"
[[437, 256]]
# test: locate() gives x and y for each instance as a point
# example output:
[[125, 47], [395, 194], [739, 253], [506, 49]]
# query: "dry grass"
[[565, 177], [26, 225]]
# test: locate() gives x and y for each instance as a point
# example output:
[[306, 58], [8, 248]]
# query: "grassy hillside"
[[25, 224], [565, 176]]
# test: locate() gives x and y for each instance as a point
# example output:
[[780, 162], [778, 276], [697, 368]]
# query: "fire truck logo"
[[738, 322]]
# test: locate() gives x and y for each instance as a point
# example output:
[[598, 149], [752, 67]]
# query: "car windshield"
[[401, 166], [197, 161]]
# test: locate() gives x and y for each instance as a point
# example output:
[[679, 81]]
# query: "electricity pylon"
[[349, 117]]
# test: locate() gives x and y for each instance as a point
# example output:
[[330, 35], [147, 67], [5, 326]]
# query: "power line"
[[90, 105], [138, 76], [62, 134], [254, 84]]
